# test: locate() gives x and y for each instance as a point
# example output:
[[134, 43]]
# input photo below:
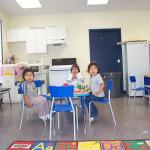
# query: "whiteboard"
[[138, 63]]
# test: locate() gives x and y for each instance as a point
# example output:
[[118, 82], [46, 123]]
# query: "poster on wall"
[[7, 71]]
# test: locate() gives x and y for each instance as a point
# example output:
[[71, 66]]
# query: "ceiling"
[[11, 8]]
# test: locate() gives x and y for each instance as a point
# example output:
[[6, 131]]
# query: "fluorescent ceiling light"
[[97, 2], [29, 3]]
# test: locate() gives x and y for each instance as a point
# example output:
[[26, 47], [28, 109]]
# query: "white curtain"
[[0, 42]]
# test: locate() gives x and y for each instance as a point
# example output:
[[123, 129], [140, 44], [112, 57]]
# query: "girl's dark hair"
[[93, 64], [26, 71], [75, 66]]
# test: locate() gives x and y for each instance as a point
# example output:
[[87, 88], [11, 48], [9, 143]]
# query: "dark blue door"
[[105, 51]]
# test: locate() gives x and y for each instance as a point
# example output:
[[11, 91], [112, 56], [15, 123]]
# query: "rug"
[[81, 145]]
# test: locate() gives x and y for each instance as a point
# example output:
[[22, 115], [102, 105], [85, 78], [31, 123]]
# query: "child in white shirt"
[[75, 77]]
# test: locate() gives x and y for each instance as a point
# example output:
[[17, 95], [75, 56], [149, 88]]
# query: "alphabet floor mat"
[[81, 145]]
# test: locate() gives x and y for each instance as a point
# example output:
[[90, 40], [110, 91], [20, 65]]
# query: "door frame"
[[1, 23]]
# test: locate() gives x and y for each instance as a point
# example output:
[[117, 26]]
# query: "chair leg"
[[50, 124], [90, 112], [22, 113], [143, 94], [134, 95], [85, 124], [129, 99], [112, 113], [9, 97], [77, 121], [74, 125], [45, 118], [58, 120], [28, 113], [53, 123]]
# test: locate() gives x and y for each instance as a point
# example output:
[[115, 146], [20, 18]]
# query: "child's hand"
[[29, 105], [96, 93], [74, 77]]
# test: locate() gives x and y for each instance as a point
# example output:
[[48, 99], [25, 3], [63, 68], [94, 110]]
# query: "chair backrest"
[[132, 79], [132, 82], [61, 91], [39, 83], [109, 84], [20, 89]]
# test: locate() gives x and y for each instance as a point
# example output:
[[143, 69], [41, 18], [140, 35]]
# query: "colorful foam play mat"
[[81, 145]]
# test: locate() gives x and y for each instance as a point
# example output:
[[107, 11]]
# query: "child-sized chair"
[[134, 88], [105, 101], [62, 92], [38, 84]]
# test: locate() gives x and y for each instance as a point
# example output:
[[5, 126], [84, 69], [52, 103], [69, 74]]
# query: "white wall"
[[4, 19], [0, 42], [135, 25]]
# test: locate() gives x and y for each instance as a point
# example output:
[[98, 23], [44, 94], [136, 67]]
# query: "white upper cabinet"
[[55, 35], [17, 35], [36, 40]]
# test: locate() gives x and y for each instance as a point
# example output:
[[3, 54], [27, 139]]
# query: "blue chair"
[[104, 101], [134, 88], [62, 92], [38, 84]]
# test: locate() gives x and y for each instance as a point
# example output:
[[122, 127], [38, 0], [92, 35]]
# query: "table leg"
[[9, 96], [84, 113], [83, 104]]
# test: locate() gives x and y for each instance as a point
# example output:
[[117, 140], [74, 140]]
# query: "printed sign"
[[112, 145], [91, 145], [135, 145], [43, 146], [147, 142], [21, 146], [7, 71], [66, 146]]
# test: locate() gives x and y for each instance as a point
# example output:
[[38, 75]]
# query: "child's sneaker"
[[43, 118], [48, 116], [92, 119]]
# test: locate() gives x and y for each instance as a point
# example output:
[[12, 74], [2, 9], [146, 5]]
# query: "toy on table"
[[79, 88]]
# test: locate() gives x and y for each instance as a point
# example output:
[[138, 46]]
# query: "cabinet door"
[[9, 82], [36, 40], [16, 35], [21, 34], [11, 35], [31, 41], [41, 40], [60, 33], [55, 33], [50, 34]]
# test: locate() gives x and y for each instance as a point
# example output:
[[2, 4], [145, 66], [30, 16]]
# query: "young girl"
[[32, 99], [97, 88], [75, 77]]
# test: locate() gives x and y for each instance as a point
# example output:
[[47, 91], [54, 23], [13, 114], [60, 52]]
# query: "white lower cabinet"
[[9, 82]]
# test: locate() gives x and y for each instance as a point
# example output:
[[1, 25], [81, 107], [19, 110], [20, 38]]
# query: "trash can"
[[116, 86]]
